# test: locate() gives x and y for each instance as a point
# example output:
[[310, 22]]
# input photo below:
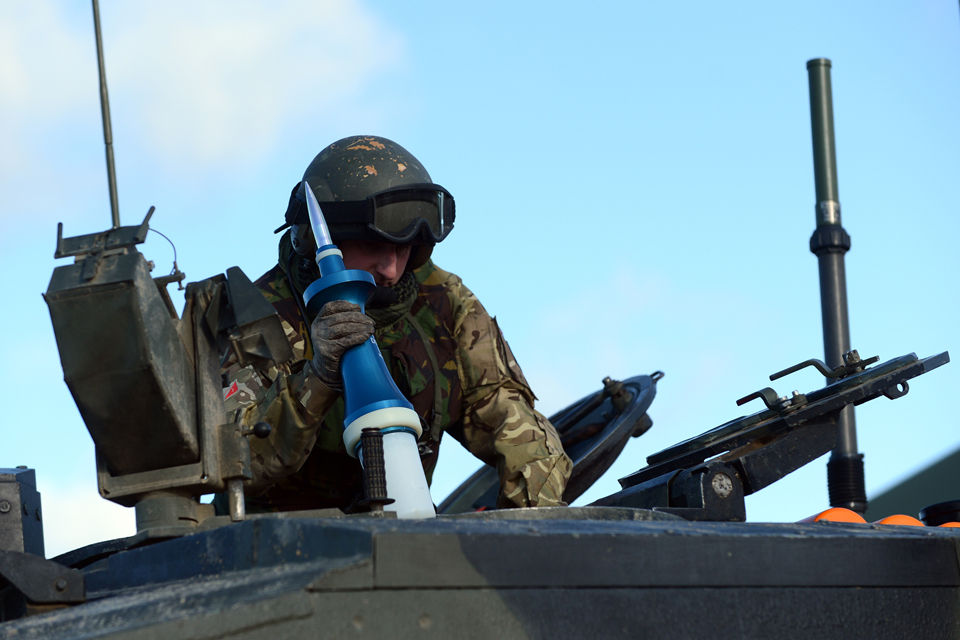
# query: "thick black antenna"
[[107, 134], [829, 243]]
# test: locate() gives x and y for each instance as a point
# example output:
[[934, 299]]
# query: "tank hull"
[[546, 573]]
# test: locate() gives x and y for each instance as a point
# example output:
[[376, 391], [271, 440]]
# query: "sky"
[[634, 187]]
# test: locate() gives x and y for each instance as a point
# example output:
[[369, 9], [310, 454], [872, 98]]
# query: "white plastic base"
[[406, 483], [379, 419]]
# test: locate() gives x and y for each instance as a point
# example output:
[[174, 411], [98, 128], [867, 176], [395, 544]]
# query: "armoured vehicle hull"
[[546, 573]]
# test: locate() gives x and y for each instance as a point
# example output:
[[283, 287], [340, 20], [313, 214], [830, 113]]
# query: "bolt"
[[722, 485], [38, 514], [26, 510], [61, 584], [796, 393], [4, 506], [21, 466], [851, 357]]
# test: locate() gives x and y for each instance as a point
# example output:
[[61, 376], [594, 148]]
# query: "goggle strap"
[[349, 212]]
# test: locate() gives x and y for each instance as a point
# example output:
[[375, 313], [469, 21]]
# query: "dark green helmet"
[[371, 188]]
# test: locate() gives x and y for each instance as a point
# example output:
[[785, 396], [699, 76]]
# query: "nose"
[[387, 267]]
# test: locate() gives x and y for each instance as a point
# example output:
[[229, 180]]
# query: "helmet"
[[371, 188]]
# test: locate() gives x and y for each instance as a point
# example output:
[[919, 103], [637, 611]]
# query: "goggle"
[[397, 215]]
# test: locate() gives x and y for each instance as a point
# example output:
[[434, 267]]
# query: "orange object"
[[951, 525], [836, 514], [900, 519]]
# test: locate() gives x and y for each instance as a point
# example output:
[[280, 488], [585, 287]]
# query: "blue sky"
[[634, 185]]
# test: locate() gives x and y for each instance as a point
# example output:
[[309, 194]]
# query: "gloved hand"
[[339, 326]]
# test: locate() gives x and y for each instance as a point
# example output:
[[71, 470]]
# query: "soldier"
[[446, 354]]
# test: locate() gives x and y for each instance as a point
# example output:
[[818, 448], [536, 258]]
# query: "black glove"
[[340, 326]]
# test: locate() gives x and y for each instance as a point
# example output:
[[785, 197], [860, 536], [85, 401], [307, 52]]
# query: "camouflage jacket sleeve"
[[292, 399], [500, 425]]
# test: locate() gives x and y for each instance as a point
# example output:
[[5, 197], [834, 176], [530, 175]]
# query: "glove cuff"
[[314, 393]]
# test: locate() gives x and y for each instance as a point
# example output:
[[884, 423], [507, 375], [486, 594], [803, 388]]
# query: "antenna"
[[105, 110], [830, 241]]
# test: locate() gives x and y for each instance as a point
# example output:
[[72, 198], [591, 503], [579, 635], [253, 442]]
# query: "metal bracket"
[[780, 404], [759, 449], [897, 391], [851, 364], [98, 242], [42, 581]]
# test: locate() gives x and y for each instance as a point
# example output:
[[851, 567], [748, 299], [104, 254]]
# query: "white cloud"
[[219, 81], [41, 62], [194, 88]]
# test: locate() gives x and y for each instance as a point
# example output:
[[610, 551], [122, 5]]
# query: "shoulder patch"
[[245, 387]]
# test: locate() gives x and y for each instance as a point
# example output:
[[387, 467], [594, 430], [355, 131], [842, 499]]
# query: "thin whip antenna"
[[174, 270], [105, 110]]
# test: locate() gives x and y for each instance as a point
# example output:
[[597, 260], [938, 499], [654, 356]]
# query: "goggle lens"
[[400, 213]]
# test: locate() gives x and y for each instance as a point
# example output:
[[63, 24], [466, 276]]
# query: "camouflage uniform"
[[447, 356]]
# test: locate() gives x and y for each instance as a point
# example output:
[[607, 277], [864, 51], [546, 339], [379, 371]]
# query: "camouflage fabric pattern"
[[288, 397], [500, 425], [486, 404]]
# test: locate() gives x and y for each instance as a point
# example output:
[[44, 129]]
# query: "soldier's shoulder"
[[446, 290], [273, 284], [430, 275]]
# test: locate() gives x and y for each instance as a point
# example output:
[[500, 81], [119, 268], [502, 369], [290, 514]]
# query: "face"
[[385, 262]]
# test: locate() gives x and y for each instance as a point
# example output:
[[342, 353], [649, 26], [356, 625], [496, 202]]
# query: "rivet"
[[722, 485]]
